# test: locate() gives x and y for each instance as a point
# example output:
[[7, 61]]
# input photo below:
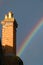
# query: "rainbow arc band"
[[29, 37]]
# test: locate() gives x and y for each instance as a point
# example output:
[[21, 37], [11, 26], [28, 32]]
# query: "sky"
[[27, 13]]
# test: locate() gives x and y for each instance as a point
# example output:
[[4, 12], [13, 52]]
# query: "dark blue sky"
[[27, 14]]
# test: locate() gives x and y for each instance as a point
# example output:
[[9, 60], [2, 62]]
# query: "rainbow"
[[29, 37]]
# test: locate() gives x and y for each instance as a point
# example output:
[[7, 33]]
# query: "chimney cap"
[[6, 16], [10, 14]]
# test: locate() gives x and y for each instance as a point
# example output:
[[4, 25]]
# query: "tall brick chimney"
[[9, 26]]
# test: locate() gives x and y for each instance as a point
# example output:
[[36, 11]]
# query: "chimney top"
[[9, 15]]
